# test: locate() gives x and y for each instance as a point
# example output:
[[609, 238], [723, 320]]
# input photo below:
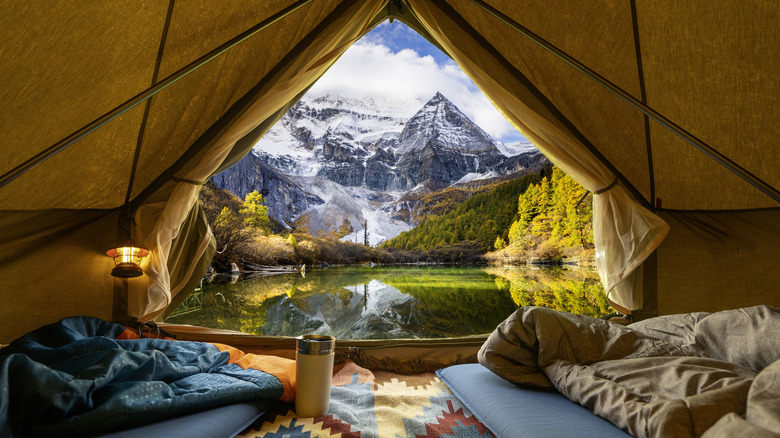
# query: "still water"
[[388, 302]]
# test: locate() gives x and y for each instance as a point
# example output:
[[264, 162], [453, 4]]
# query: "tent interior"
[[117, 112]]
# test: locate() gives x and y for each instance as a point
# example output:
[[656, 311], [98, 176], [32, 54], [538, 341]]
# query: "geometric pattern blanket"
[[366, 404]]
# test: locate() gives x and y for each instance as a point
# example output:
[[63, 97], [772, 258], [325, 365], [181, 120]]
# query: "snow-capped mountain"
[[330, 130], [332, 158]]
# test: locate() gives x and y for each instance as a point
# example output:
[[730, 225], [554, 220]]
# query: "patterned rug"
[[369, 404]]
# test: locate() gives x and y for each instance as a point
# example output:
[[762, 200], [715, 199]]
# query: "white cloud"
[[369, 69]]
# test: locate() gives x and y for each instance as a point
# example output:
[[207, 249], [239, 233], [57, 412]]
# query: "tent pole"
[[631, 100], [144, 95]]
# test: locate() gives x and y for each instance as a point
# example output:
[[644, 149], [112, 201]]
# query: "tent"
[[116, 112]]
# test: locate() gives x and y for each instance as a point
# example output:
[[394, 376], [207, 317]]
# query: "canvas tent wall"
[[115, 107]]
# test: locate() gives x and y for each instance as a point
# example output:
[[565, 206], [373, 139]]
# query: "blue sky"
[[393, 61], [397, 36]]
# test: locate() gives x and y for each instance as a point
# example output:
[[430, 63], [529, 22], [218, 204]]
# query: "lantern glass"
[[127, 259], [127, 254]]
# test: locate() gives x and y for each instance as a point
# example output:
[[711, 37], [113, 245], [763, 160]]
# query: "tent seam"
[[148, 103], [664, 121], [643, 94]]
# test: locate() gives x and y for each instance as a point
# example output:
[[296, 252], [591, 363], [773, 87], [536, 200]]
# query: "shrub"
[[308, 252], [547, 250], [271, 250]]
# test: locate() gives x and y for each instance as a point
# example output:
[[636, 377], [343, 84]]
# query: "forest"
[[481, 218], [554, 221], [544, 216]]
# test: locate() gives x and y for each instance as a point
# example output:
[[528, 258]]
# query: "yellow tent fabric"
[[70, 171]]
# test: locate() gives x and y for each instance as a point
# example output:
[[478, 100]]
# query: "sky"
[[393, 61]]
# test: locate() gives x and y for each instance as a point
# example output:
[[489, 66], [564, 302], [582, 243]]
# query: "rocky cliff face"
[[372, 150], [284, 196], [522, 164]]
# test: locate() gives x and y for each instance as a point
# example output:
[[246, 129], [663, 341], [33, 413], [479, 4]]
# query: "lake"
[[388, 302]]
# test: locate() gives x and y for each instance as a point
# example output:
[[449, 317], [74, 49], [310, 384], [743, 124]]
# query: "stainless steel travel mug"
[[313, 374]]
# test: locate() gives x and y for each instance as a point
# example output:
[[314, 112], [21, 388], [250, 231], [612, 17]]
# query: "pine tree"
[[483, 217], [541, 223], [516, 231], [527, 207], [255, 213]]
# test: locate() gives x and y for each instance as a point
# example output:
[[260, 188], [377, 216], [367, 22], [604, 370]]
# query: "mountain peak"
[[438, 99], [441, 121]]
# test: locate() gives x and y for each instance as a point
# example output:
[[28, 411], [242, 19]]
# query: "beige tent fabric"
[[64, 66], [712, 68], [719, 260], [158, 223], [53, 264], [625, 233]]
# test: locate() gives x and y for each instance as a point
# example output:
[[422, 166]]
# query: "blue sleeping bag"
[[74, 378]]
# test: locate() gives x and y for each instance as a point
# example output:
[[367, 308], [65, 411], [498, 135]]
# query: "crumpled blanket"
[[690, 375], [84, 376]]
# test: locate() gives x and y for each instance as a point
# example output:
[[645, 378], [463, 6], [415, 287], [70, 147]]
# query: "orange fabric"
[[128, 334], [235, 353], [279, 367]]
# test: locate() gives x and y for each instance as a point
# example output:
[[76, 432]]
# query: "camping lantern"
[[127, 259]]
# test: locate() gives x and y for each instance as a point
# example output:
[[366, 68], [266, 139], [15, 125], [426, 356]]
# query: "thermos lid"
[[317, 345]]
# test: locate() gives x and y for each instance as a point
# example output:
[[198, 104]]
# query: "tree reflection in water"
[[392, 302]]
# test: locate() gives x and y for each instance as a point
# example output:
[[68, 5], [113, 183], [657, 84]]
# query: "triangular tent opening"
[[706, 69], [376, 89]]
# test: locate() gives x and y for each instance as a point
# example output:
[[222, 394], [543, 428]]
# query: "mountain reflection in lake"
[[389, 302]]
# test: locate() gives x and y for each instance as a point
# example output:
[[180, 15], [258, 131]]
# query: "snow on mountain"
[[378, 106], [381, 226], [469, 177], [283, 151], [338, 205], [515, 148], [357, 205], [293, 143], [363, 121]]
